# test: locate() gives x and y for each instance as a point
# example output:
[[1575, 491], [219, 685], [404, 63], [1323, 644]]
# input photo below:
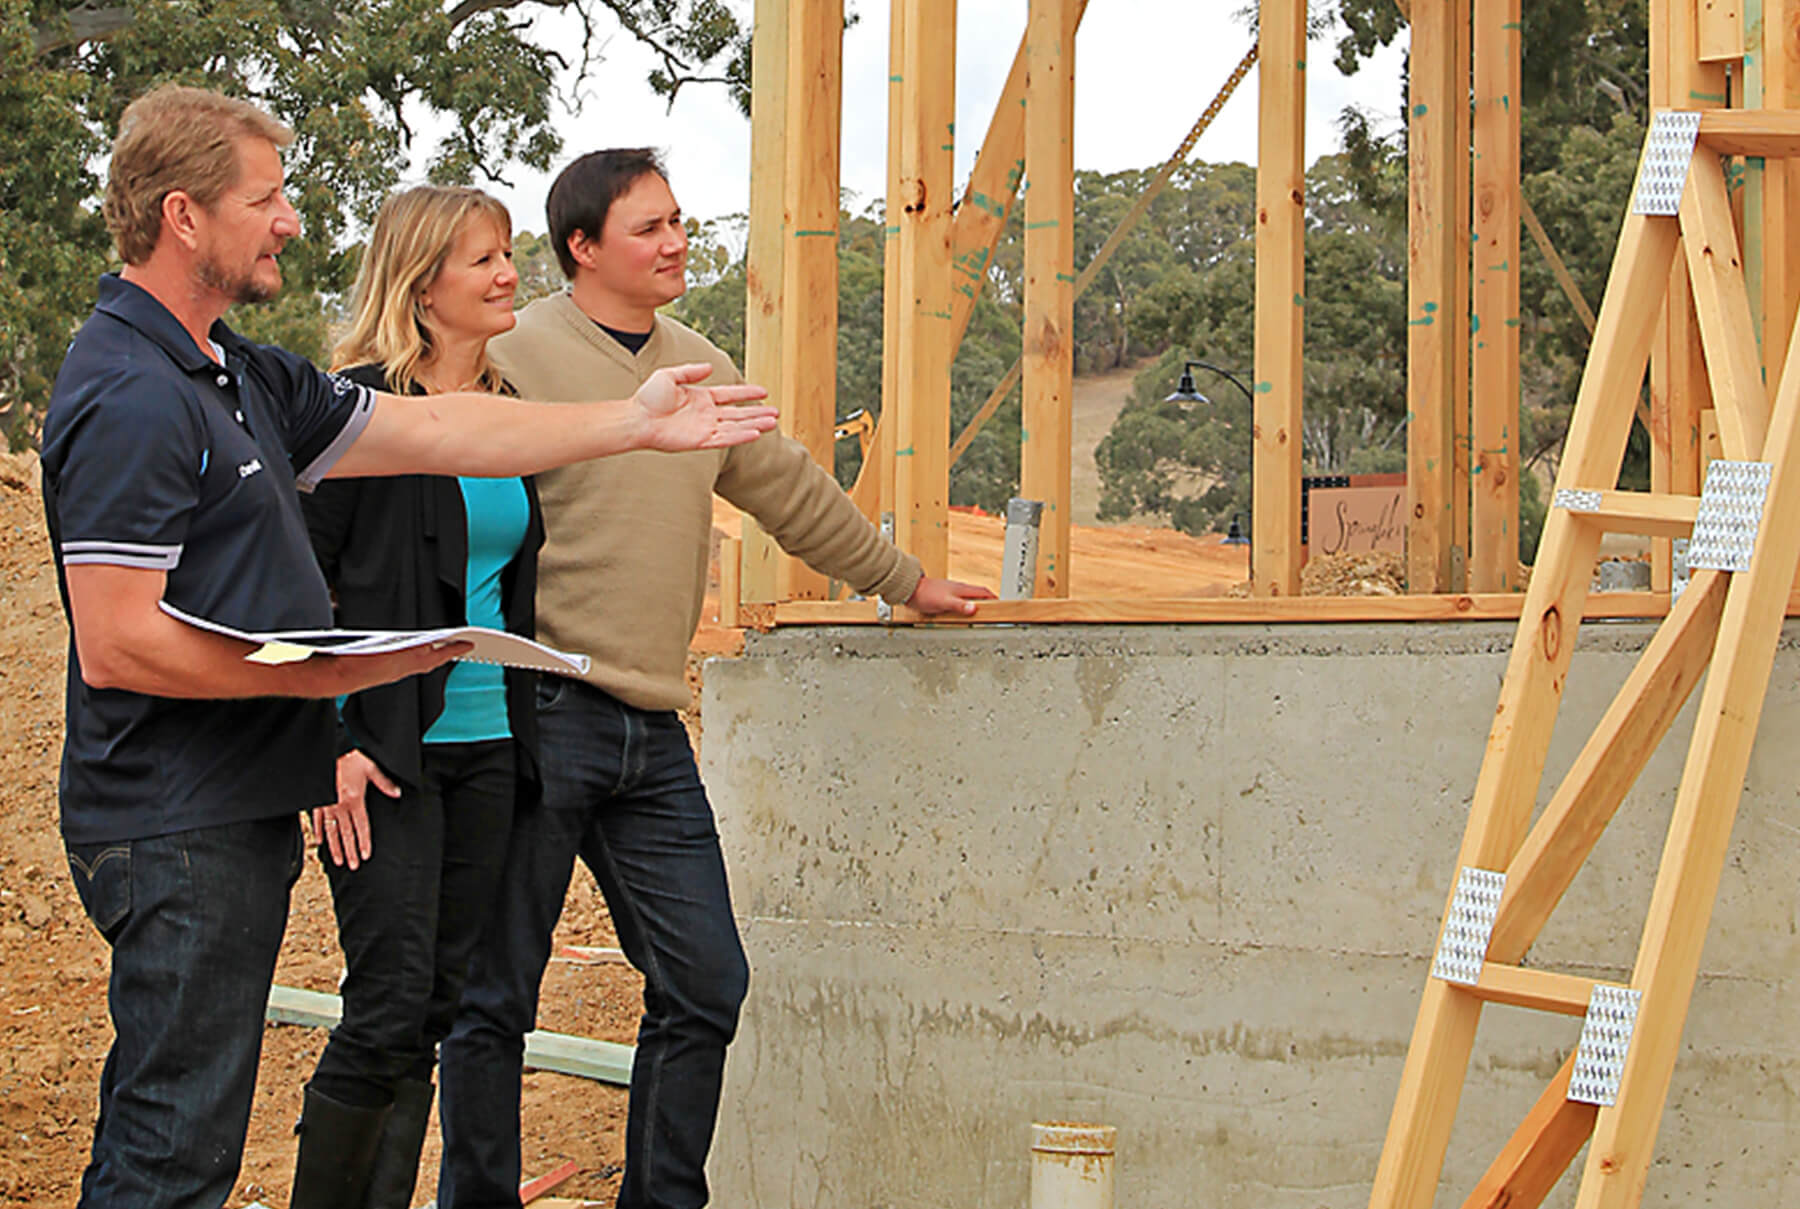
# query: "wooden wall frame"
[[1466, 207], [1702, 302]]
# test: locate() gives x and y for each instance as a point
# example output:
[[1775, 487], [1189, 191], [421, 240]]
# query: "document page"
[[490, 646]]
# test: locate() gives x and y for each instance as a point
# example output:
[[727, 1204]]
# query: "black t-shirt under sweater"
[[633, 341]]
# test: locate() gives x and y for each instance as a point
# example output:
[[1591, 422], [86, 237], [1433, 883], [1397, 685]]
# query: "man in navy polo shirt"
[[171, 454]]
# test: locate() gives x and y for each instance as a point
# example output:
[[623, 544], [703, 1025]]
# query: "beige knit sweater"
[[622, 575]]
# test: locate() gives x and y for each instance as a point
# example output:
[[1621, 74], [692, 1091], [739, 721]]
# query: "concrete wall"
[[1184, 881]]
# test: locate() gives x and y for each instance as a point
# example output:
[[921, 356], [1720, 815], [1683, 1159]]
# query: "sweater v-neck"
[[594, 332]]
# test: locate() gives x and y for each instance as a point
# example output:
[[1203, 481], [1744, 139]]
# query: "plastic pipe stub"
[[1072, 1137]]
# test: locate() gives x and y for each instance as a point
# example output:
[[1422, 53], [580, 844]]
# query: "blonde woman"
[[430, 768]]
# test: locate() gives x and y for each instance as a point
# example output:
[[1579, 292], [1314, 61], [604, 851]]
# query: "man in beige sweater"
[[621, 577]]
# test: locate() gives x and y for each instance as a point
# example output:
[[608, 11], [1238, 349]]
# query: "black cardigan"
[[395, 551]]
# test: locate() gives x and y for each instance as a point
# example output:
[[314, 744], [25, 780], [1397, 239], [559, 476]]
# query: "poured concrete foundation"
[[1184, 881]]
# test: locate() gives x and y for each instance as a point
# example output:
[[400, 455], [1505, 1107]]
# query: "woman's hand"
[[344, 825], [679, 415]]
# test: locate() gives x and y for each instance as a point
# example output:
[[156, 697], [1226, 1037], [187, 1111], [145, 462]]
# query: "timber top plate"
[[1668, 150]]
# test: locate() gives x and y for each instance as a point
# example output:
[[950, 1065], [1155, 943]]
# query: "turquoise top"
[[475, 694]]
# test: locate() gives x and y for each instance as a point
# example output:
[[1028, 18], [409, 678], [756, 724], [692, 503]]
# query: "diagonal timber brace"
[[1724, 627]]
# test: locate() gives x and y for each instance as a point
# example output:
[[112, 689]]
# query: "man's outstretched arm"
[[490, 436]]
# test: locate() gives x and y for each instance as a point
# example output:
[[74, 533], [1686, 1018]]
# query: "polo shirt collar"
[[132, 304]]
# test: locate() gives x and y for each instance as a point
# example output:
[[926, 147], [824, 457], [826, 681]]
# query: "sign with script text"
[[1354, 520]]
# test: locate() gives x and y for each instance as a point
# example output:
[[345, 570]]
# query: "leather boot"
[[337, 1149], [396, 1169]]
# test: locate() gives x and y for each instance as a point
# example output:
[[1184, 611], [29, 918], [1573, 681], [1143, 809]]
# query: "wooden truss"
[[1728, 619]]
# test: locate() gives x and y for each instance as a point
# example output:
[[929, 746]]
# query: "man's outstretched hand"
[[947, 596], [679, 415]]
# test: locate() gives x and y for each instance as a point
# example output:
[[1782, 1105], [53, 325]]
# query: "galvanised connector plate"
[[1668, 151], [1731, 510], [1605, 1039], [1463, 946]]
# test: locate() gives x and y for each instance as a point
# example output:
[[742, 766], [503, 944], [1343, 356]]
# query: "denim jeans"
[[195, 922], [409, 917], [622, 792]]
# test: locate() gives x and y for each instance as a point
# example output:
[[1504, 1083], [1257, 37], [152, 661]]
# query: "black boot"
[[337, 1148], [396, 1169]]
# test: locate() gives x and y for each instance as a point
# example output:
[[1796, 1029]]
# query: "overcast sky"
[[1144, 71]]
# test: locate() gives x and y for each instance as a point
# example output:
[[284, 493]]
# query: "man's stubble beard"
[[239, 287]]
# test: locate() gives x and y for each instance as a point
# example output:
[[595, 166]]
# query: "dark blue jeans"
[[409, 917], [621, 791], [195, 922]]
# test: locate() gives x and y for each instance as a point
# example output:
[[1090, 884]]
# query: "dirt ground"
[[54, 1030]]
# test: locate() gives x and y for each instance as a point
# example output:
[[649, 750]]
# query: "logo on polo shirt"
[[249, 468]]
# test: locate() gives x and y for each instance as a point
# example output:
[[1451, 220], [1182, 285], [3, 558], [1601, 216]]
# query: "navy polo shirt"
[[156, 456]]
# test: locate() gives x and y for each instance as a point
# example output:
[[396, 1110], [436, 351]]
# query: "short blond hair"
[[176, 138], [412, 237]]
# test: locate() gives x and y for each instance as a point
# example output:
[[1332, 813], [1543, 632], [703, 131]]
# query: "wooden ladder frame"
[[1729, 620]]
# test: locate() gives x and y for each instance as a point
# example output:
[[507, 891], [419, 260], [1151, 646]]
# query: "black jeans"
[[194, 921], [621, 791], [409, 917]]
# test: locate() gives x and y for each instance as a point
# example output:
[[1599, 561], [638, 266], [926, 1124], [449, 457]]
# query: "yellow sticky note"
[[279, 652]]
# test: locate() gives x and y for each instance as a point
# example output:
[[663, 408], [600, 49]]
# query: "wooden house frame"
[[1702, 297], [1461, 541], [1463, 377]]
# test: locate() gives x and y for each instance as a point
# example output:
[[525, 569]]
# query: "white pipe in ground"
[[1072, 1165]]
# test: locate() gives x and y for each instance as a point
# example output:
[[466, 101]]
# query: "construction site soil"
[[53, 965]]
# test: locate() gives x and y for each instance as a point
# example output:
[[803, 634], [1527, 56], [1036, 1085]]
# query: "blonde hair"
[[176, 139], [412, 237]]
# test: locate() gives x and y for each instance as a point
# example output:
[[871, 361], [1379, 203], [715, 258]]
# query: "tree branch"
[[91, 22], [474, 8]]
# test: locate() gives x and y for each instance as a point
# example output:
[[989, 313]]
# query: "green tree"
[[987, 475], [1583, 113], [1190, 463], [540, 274], [351, 79]]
